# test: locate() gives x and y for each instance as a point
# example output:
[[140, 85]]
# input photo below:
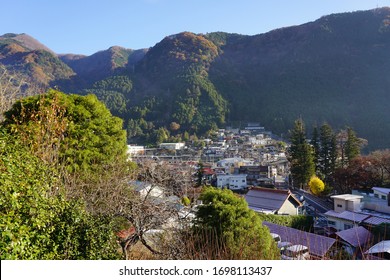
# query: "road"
[[319, 204]]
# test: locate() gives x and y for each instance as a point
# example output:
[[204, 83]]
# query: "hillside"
[[28, 59], [333, 70]]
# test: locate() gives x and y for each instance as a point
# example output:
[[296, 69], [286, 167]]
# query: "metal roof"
[[318, 245], [356, 236], [347, 215], [381, 247], [266, 199], [376, 221]]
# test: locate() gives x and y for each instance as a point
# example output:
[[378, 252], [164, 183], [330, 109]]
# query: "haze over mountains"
[[335, 69]]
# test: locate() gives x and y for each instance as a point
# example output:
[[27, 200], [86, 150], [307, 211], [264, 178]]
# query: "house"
[[231, 163], [133, 150], [255, 172], [350, 210], [320, 247], [146, 189], [272, 201], [172, 146], [345, 220], [382, 193], [355, 240], [232, 181]]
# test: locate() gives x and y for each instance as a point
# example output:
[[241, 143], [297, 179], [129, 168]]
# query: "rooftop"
[[260, 199], [347, 196], [356, 236], [318, 245]]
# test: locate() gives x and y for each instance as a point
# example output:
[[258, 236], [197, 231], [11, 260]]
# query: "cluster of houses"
[[350, 227], [253, 163]]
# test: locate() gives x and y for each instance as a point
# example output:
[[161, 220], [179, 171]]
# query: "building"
[[232, 181], [349, 212], [345, 202], [355, 240], [229, 164], [320, 247], [172, 146], [272, 201], [133, 150]]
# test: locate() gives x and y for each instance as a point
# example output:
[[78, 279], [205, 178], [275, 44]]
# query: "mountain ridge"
[[329, 70]]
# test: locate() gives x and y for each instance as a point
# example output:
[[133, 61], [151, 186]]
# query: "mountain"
[[102, 64], [28, 59], [333, 70]]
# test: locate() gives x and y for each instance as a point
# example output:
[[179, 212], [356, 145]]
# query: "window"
[[243, 181], [347, 226], [383, 197], [332, 223], [376, 195], [339, 205]]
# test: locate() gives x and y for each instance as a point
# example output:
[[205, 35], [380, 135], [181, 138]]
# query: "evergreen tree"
[[328, 153], [352, 146], [315, 143], [232, 227], [300, 156], [86, 136]]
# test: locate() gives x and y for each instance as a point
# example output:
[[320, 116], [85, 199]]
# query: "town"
[[252, 162]]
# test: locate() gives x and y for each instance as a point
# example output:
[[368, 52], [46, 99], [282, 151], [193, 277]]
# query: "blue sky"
[[88, 26]]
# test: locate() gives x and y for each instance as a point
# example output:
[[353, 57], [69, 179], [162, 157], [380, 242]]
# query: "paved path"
[[320, 204]]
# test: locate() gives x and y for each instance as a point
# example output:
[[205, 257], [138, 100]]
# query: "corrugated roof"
[[376, 220], [356, 236], [318, 245], [348, 215], [267, 199]]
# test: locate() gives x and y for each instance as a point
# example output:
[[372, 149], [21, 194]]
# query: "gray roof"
[[376, 221], [348, 215], [382, 190], [267, 199], [356, 236], [318, 245], [381, 247]]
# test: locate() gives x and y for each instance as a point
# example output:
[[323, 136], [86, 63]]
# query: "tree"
[[315, 143], [300, 155], [37, 221], [89, 136], [174, 126], [328, 153], [316, 185], [352, 146], [236, 228]]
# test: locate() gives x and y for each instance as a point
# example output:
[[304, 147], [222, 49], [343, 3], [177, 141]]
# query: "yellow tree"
[[316, 185]]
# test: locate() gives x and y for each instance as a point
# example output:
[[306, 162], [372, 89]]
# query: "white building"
[[133, 150], [172, 146], [232, 181]]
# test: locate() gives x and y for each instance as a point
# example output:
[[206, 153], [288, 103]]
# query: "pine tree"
[[300, 156], [352, 146], [315, 143], [328, 153]]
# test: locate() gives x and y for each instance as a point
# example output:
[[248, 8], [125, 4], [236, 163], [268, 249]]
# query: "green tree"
[[36, 219], [161, 135], [352, 146], [237, 228], [300, 155], [316, 185], [92, 136], [328, 153], [315, 143]]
